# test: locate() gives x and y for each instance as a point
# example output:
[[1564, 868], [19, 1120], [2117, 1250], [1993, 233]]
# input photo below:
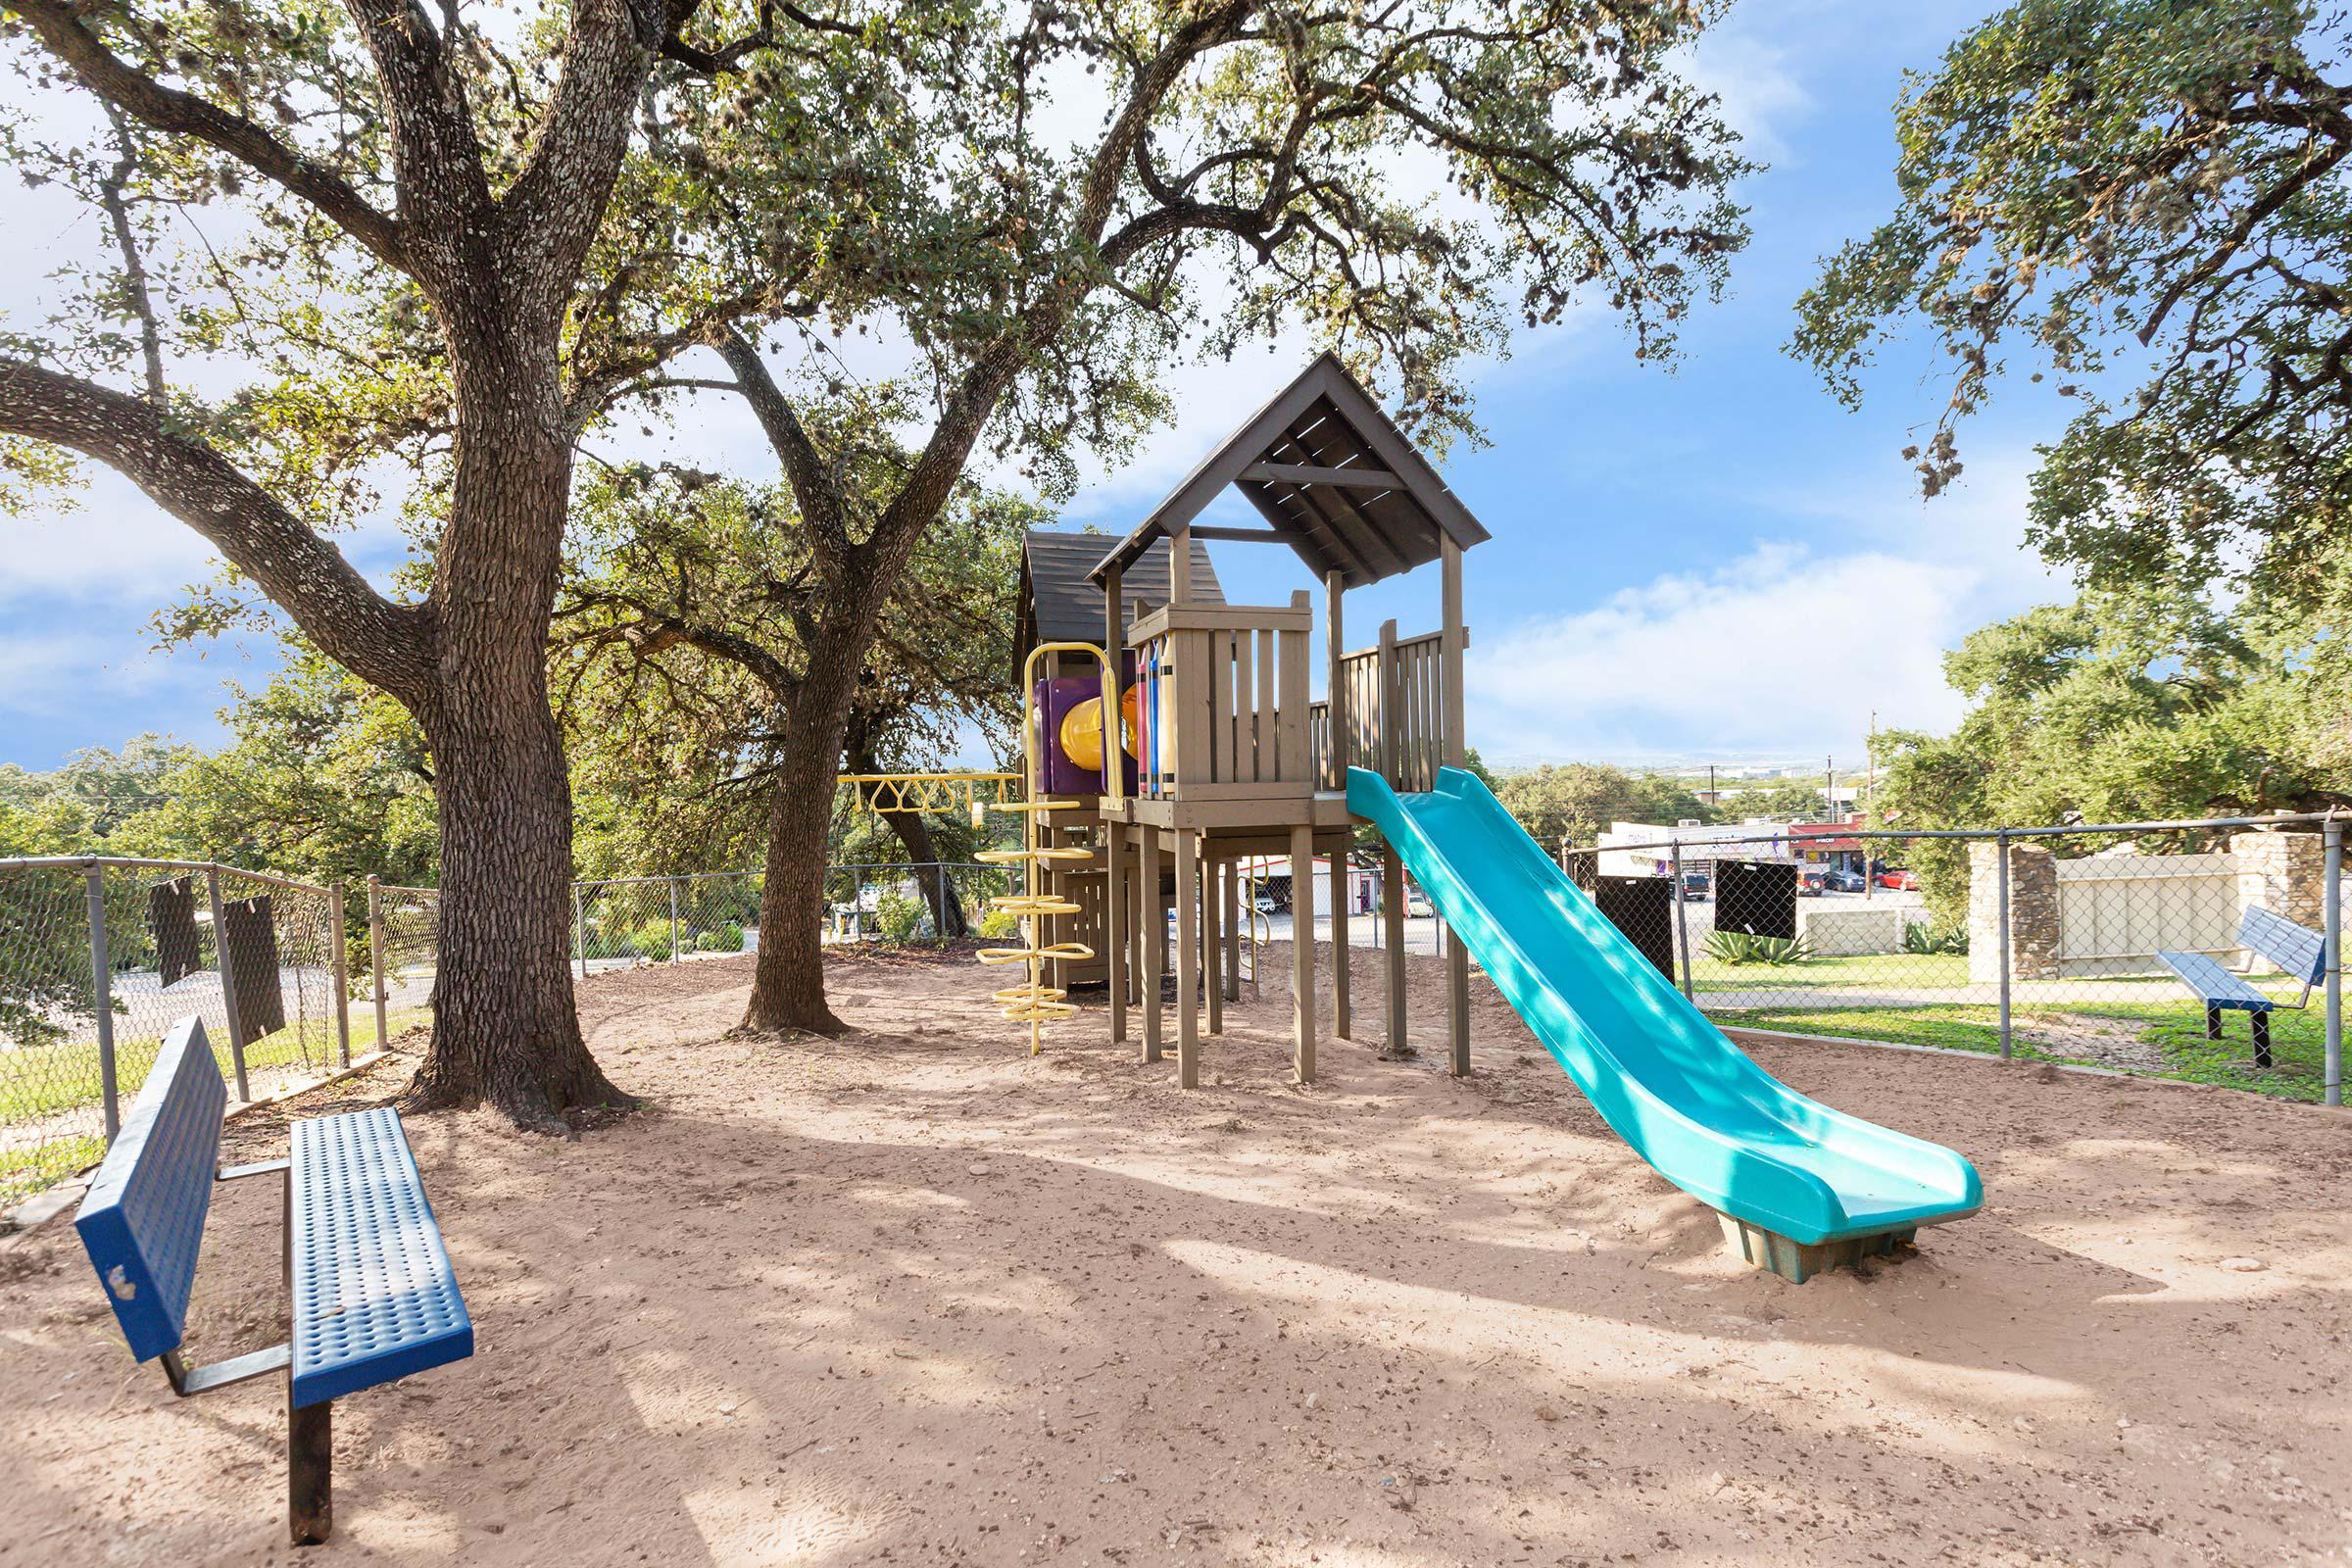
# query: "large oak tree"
[[1039, 208], [474, 235]]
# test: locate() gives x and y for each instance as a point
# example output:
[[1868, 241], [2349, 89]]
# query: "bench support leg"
[[309, 1473], [2261, 1039], [2213, 1023]]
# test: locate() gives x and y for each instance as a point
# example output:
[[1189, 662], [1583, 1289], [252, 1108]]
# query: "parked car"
[[1846, 881], [1698, 887], [1812, 881], [1264, 903], [1902, 880], [1417, 905]]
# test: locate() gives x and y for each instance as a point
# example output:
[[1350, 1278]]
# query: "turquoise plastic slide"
[[1688, 1101]]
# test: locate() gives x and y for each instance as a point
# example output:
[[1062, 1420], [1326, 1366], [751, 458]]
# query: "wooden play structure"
[[1233, 761]]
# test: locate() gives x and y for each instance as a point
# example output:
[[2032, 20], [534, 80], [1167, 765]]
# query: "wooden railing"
[[1394, 699], [1225, 701]]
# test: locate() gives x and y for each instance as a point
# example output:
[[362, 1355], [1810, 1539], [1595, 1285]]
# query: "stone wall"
[[2033, 913], [2284, 873]]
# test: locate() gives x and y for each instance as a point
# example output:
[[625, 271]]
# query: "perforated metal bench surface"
[[374, 1296], [2214, 985]]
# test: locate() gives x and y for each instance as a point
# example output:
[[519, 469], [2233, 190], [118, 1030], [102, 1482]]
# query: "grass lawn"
[[44, 1081], [1910, 971], [2175, 1032]]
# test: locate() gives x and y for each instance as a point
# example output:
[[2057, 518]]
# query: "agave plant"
[[1743, 948]]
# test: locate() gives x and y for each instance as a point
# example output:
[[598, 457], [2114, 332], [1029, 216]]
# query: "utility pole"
[[1829, 784], [1714, 798]]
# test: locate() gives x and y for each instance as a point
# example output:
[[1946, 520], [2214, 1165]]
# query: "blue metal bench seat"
[[2298, 951], [372, 1294]]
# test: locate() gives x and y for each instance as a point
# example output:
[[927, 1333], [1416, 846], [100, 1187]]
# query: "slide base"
[[1799, 1261]]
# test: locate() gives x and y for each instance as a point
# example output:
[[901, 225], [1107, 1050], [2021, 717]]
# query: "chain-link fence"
[[2208, 950], [99, 956]]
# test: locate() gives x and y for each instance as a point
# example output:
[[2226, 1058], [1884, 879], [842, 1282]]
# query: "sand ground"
[[914, 1296]]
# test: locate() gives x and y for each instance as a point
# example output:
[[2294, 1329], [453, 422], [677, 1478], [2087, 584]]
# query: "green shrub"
[[997, 924], [1739, 948], [1935, 938], [899, 917], [723, 938], [651, 941]]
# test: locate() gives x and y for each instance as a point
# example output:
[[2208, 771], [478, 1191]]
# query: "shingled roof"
[[1058, 604], [1333, 477]]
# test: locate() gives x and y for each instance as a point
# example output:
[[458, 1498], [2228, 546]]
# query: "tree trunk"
[[946, 910], [506, 1027], [788, 984]]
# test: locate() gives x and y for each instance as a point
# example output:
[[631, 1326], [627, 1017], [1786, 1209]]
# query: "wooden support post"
[[1455, 752], [1231, 895], [1302, 952], [1392, 916], [1335, 755], [1213, 946], [1392, 708], [1151, 940], [1187, 964], [1114, 924], [1342, 1024]]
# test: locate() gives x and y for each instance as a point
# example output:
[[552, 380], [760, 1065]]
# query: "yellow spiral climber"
[[1034, 1002]]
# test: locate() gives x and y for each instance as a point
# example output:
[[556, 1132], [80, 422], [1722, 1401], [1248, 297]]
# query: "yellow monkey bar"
[[935, 792]]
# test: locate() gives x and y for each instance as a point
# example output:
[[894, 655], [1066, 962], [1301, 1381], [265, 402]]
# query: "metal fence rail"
[[99, 955], [2062, 942], [2045, 942]]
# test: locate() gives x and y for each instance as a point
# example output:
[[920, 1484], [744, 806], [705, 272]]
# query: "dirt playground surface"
[[913, 1297]]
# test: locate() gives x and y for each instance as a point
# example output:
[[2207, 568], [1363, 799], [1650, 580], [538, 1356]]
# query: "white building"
[[1759, 839]]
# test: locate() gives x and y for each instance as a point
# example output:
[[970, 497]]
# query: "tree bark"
[[946, 910], [788, 981], [506, 1027]]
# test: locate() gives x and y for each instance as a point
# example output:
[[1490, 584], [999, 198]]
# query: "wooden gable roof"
[[1334, 478]]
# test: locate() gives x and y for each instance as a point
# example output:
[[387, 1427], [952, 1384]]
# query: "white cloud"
[[114, 545], [59, 675], [1759, 91], [1782, 653]]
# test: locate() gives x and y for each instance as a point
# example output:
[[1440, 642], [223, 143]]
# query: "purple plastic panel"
[[1055, 699]]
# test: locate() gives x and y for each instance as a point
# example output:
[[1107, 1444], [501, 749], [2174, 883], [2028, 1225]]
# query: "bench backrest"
[[142, 1221], [2299, 950]]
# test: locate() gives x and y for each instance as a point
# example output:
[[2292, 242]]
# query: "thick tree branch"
[[62, 32], [387, 644], [819, 497], [556, 205], [436, 154]]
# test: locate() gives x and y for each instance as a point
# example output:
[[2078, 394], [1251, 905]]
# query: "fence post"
[[2332, 903], [335, 893], [1682, 916], [2001, 880], [939, 922], [674, 920], [579, 930], [228, 980], [375, 958], [102, 1000]]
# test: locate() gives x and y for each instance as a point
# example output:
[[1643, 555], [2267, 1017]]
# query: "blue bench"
[[2298, 951], [371, 1293]]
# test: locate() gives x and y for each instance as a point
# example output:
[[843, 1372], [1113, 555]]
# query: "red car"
[[1900, 880]]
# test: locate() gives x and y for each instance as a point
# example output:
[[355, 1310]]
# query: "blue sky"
[[1717, 563]]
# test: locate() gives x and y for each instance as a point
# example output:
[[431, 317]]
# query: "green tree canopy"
[[1572, 803], [2121, 191]]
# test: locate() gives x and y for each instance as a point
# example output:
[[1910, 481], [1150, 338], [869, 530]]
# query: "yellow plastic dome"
[[1081, 733]]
